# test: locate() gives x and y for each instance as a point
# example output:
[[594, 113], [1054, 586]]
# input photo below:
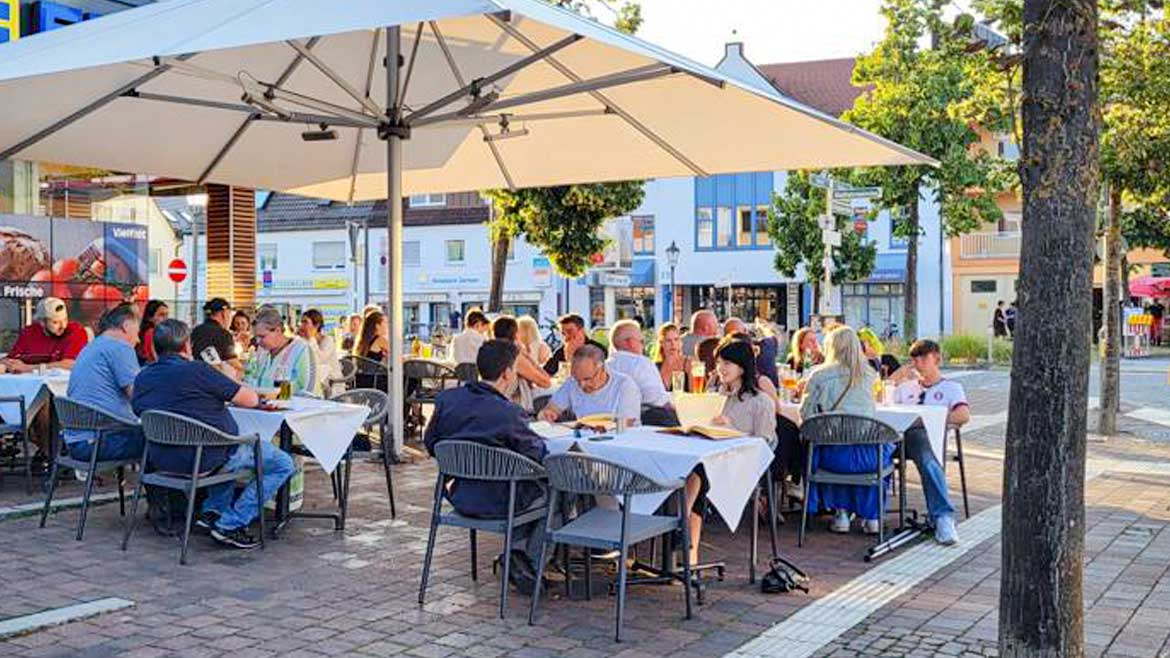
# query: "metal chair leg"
[[27, 463], [754, 551], [90, 477], [345, 478], [772, 513], [190, 517], [552, 503], [258, 474], [389, 476], [962, 473], [49, 496], [134, 503], [422, 588], [621, 602], [685, 523], [121, 491], [474, 556]]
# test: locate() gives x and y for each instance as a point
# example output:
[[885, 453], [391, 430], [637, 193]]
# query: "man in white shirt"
[[704, 325], [625, 356], [925, 385], [593, 389], [465, 345]]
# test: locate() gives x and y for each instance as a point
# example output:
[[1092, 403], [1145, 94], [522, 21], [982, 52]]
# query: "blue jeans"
[[278, 467], [126, 444], [934, 480]]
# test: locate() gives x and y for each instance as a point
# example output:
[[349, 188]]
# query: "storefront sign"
[[454, 280], [268, 282], [427, 298], [541, 272], [508, 297], [613, 280]]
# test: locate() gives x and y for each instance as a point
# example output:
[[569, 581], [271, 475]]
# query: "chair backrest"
[[348, 369], [467, 459], [847, 429], [74, 415], [166, 428], [585, 474], [376, 401], [364, 366], [467, 372], [424, 369]]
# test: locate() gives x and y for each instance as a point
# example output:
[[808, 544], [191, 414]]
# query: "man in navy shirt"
[[179, 384], [480, 412]]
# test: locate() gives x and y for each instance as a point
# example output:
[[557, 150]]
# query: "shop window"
[[985, 286], [329, 255], [155, 261], [706, 228], [411, 253], [427, 200], [723, 228], [456, 252], [266, 257], [643, 235], [743, 226], [762, 237]]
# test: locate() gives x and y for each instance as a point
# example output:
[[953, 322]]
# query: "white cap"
[[51, 308]]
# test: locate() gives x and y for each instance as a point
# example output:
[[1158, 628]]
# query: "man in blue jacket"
[[480, 412]]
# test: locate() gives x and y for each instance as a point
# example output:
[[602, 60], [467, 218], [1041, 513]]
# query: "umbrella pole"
[[394, 240]]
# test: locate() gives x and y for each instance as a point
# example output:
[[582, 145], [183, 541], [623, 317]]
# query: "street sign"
[[842, 207], [832, 238], [847, 193], [266, 278], [826, 223], [177, 270]]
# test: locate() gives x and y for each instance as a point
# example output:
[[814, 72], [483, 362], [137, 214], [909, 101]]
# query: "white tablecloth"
[[900, 417], [326, 428], [28, 386], [733, 466]]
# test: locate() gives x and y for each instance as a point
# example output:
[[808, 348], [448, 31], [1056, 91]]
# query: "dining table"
[[30, 386], [901, 417]]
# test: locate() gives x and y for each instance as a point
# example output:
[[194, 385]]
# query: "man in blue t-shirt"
[[194, 389], [103, 377]]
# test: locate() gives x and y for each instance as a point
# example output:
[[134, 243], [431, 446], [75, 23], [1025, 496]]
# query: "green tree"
[[796, 236], [927, 92], [562, 221]]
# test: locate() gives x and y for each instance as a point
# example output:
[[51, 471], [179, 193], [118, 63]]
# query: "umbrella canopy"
[[1149, 286], [496, 93]]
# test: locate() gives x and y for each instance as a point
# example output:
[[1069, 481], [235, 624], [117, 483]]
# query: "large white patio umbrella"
[[294, 95]]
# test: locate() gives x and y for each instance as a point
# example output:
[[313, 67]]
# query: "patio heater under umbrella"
[[288, 95]]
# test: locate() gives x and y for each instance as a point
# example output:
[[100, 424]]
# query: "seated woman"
[[804, 352], [670, 359], [373, 343], [746, 409], [531, 376], [155, 312], [844, 384], [871, 346]]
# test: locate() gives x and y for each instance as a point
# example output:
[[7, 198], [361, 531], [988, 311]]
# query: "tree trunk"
[[1111, 309], [499, 269], [1041, 597], [910, 309]]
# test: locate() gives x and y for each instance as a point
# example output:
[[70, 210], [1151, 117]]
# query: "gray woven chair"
[[957, 431], [348, 374], [368, 373], [607, 529], [378, 403], [467, 372], [73, 415], [424, 380], [19, 430], [841, 429], [163, 428], [473, 461]]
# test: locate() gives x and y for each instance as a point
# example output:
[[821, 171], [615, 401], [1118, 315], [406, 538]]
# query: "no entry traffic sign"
[[177, 270]]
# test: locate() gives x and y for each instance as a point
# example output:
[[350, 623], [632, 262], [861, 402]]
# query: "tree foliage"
[[796, 235]]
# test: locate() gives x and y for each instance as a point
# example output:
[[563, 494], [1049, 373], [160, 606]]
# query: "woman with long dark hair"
[[156, 311], [374, 342]]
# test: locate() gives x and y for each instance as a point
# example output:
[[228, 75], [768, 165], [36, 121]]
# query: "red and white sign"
[[177, 270]]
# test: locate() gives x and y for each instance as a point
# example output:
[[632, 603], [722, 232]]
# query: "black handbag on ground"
[[783, 577]]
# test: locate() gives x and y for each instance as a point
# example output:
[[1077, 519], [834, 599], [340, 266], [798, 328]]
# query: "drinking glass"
[[678, 381]]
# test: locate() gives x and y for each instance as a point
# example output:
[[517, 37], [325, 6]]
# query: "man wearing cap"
[[52, 340], [217, 313]]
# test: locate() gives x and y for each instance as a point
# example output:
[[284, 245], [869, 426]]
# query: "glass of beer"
[[698, 377]]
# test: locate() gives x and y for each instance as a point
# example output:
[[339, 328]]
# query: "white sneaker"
[[872, 526], [841, 522], [793, 491]]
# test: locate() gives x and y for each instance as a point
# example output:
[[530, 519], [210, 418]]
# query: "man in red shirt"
[[52, 339]]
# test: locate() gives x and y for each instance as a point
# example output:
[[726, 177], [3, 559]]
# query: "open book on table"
[[695, 412], [596, 422]]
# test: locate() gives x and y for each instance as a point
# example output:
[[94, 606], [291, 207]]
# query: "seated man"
[[465, 344], [626, 357], [593, 389], [52, 340], [929, 387], [103, 376], [180, 384], [481, 412], [573, 330]]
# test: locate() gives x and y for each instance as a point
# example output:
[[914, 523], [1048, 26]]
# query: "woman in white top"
[[324, 348], [530, 341]]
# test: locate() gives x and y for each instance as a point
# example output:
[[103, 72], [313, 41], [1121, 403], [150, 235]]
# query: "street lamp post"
[[672, 253]]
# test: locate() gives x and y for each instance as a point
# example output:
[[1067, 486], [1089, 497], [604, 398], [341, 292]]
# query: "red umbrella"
[[1149, 286]]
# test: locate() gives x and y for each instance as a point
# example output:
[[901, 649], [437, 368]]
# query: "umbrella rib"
[[357, 146], [409, 69], [159, 69], [369, 105], [285, 117], [496, 155], [239, 133], [602, 98]]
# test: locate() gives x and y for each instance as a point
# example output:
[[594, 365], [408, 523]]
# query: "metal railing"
[[990, 245]]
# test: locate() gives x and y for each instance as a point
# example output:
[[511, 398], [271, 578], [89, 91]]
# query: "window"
[[706, 229], [155, 261], [512, 251], [762, 237], [743, 226], [427, 200], [643, 235], [411, 253], [266, 257], [983, 286], [456, 252], [329, 255], [723, 236]]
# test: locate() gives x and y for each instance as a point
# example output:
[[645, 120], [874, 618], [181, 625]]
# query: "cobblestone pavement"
[[315, 592]]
